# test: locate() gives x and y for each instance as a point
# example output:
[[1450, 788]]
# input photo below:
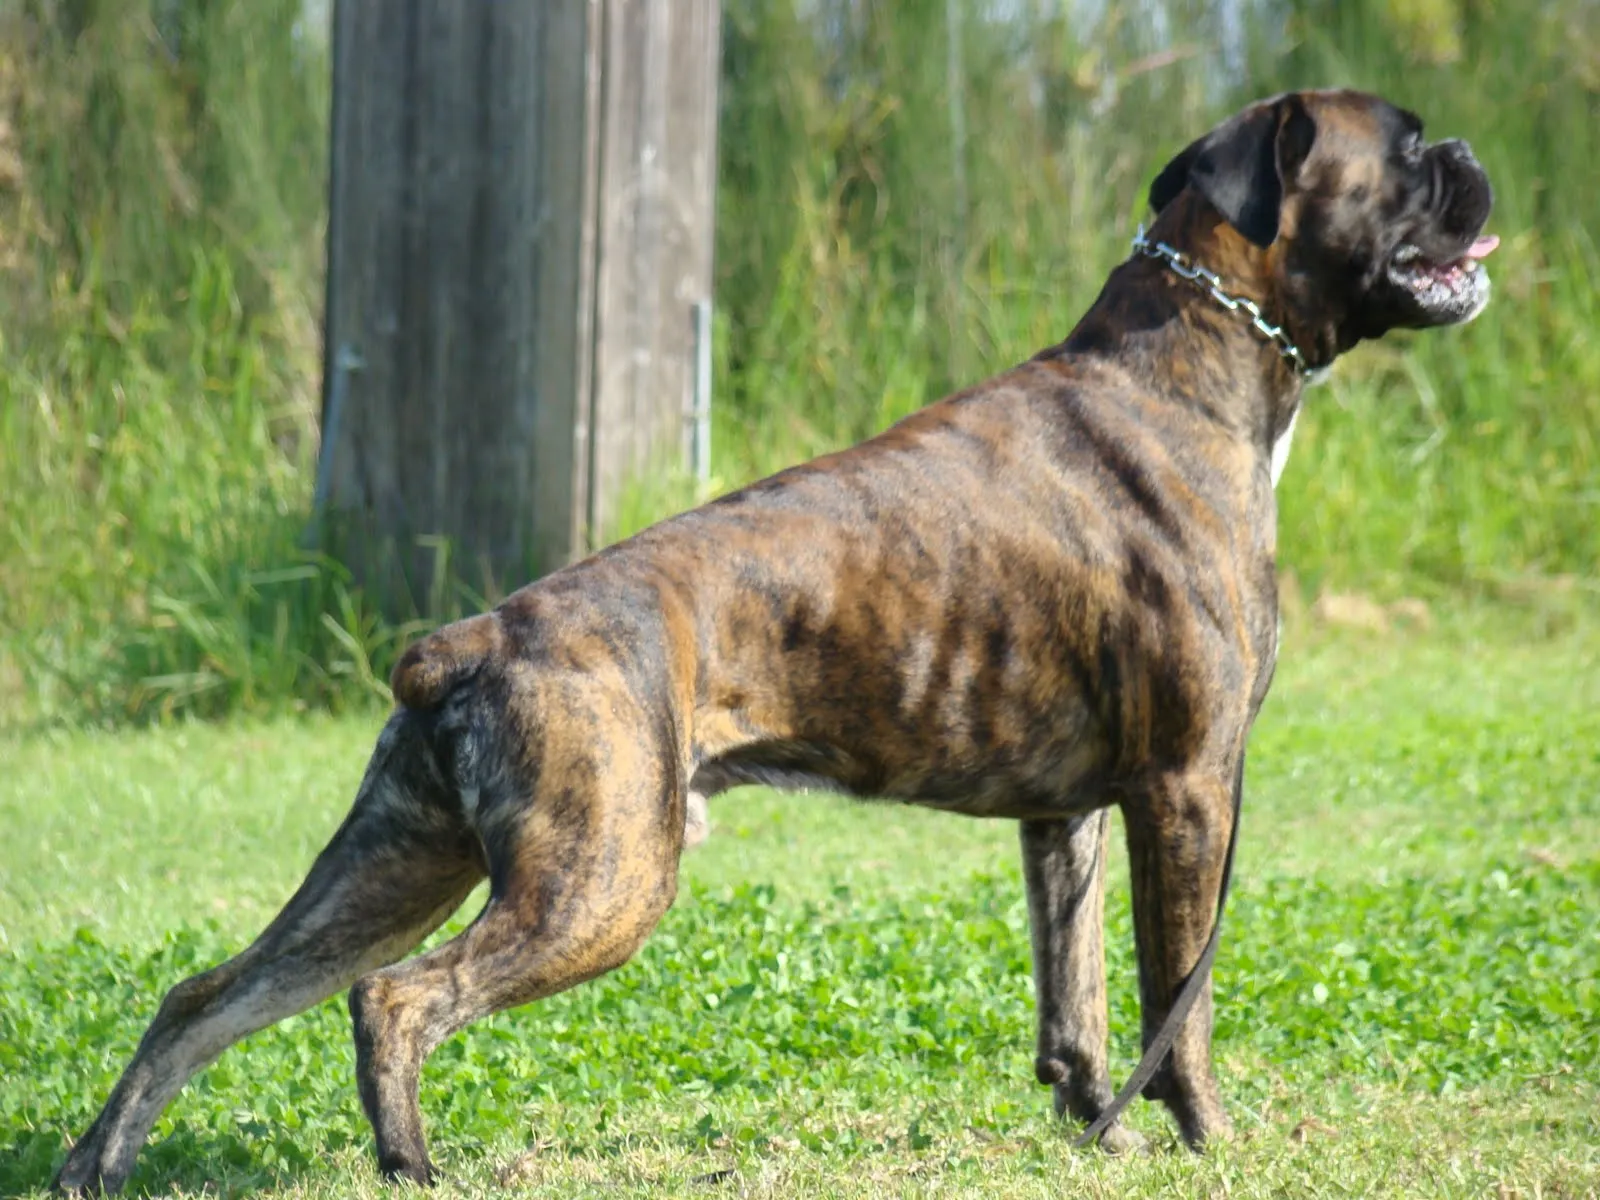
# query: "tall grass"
[[913, 195], [160, 232]]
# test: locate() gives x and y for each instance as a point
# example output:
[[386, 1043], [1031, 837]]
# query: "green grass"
[[839, 1004]]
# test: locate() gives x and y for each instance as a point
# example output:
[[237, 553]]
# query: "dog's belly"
[[1052, 781], [968, 716]]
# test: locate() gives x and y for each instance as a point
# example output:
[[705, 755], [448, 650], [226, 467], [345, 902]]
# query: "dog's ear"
[[1241, 165]]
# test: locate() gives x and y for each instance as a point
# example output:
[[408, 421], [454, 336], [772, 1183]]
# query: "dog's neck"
[[1163, 317]]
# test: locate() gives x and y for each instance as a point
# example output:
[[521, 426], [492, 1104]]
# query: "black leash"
[[1187, 995]]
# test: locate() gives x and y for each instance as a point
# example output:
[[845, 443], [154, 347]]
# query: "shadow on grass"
[[188, 1160]]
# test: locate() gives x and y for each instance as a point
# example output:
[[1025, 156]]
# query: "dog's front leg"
[[1064, 863], [1178, 833]]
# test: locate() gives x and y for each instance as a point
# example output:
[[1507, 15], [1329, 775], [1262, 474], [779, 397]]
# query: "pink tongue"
[[1483, 247]]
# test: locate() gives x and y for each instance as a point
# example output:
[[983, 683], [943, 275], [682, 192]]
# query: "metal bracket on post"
[[700, 411], [345, 360]]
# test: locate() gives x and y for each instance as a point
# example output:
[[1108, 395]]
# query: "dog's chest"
[[1280, 449]]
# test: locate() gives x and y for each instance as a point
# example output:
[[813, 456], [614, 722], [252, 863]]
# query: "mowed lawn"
[[840, 1002]]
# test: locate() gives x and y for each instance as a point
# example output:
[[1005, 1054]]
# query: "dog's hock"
[[428, 671]]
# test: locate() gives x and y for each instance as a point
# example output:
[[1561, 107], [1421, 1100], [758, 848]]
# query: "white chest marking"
[[469, 800], [1280, 449]]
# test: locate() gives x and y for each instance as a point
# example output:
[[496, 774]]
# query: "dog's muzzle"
[[1437, 271]]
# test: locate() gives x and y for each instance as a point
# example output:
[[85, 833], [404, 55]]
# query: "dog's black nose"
[[1458, 189], [1460, 152]]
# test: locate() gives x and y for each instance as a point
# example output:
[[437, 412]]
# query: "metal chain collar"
[[1212, 282]]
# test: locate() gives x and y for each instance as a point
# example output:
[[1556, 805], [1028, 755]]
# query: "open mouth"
[[1446, 288]]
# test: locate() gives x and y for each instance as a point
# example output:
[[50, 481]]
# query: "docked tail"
[[428, 671]]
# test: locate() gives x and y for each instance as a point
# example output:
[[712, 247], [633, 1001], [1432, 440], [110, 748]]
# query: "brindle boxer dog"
[[1046, 595]]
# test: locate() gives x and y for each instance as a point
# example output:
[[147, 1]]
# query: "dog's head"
[[1368, 227]]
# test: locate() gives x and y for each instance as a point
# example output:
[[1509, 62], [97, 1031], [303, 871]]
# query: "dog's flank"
[[1049, 594]]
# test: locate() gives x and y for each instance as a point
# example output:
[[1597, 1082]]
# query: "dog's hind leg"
[[581, 865], [1178, 839], [396, 868], [1064, 863]]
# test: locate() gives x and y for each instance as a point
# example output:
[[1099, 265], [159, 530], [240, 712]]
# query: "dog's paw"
[[1118, 1140], [399, 1170], [1202, 1131], [83, 1174]]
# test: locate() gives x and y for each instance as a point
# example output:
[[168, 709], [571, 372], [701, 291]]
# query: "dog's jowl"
[[1049, 594]]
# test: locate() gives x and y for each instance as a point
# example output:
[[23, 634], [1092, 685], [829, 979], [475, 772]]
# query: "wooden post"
[[520, 230]]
